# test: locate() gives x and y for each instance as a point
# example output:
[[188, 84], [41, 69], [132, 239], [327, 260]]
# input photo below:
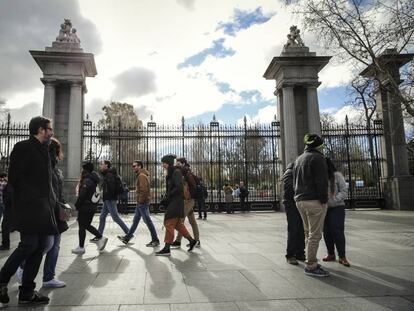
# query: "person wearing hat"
[[174, 205], [310, 181], [86, 208]]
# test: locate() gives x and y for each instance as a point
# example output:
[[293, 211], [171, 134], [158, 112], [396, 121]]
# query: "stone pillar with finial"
[[65, 67], [296, 74]]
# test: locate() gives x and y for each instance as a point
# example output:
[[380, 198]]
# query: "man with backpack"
[[112, 187], [190, 187], [143, 193]]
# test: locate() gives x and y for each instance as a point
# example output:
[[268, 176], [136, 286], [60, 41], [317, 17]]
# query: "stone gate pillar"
[[65, 67], [296, 74], [398, 184]]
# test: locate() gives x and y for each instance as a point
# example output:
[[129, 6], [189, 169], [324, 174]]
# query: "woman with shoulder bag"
[[333, 232], [86, 208], [52, 246]]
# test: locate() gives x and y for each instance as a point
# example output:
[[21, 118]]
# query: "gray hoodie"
[[341, 191]]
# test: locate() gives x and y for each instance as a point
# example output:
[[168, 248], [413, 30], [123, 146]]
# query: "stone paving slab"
[[240, 266]]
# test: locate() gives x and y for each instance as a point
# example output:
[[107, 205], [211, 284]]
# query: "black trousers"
[[201, 206], [333, 230], [296, 234], [84, 221], [30, 249]]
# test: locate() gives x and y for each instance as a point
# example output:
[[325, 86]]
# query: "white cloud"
[[158, 35], [264, 115]]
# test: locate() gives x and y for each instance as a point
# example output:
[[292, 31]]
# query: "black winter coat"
[[86, 191], [109, 185], [57, 183], [33, 198], [174, 200], [288, 191]]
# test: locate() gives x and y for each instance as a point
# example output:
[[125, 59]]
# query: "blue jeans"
[[51, 259], [142, 210], [30, 249], [47, 246], [109, 207]]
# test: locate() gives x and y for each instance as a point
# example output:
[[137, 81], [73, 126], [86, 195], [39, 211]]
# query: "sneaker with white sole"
[[54, 283], [318, 271], [102, 243], [78, 251], [19, 275], [94, 240]]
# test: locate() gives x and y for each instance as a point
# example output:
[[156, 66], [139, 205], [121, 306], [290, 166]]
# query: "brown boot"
[[344, 261], [329, 258]]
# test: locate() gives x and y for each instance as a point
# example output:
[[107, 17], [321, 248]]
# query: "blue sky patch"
[[218, 50], [333, 98], [243, 20]]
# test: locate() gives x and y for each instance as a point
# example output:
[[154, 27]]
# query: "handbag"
[[65, 211]]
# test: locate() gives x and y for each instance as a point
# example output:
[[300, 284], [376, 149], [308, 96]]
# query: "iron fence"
[[223, 154], [219, 154]]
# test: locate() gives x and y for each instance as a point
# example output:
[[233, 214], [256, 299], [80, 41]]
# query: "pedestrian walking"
[[49, 268], [30, 175], [334, 227], [174, 205], [86, 208], [143, 195], [295, 249], [6, 223], [310, 180], [112, 186], [190, 183]]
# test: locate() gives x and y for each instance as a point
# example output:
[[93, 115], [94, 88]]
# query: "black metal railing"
[[223, 154]]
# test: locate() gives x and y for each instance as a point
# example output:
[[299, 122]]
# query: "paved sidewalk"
[[240, 266]]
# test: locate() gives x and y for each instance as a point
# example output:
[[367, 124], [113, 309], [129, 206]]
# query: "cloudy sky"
[[168, 58]]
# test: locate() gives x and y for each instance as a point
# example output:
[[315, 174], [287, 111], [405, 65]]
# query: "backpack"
[[191, 188], [119, 185]]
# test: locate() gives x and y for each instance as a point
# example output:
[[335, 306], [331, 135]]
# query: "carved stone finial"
[[294, 38]]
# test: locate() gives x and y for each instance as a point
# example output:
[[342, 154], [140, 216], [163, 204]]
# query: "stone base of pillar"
[[399, 193], [69, 191]]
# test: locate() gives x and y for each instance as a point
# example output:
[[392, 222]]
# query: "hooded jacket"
[[109, 185], [143, 187], [86, 190], [310, 176]]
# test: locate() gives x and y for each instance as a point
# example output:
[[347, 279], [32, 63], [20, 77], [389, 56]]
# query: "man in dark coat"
[[174, 204], [32, 210], [295, 249]]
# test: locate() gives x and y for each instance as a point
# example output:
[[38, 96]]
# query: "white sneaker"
[[78, 251], [102, 243], [19, 275], [54, 283]]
